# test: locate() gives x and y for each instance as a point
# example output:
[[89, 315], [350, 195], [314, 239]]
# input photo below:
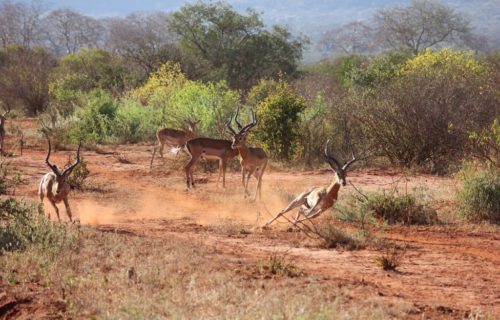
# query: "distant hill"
[[313, 18], [308, 17]]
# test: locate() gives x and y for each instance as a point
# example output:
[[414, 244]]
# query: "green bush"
[[23, 225], [390, 207], [94, 122], [77, 178], [479, 199], [279, 116]]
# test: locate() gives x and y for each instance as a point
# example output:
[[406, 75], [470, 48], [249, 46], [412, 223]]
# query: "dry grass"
[[123, 276]]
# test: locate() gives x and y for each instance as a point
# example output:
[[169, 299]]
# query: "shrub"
[[389, 260], [479, 199], [77, 178], [280, 265], [23, 224], [333, 237], [94, 122], [391, 207], [279, 116], [430, 133], [486, 144]]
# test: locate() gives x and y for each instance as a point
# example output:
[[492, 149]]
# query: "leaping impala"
[[210, 149], [313, 202], [253, 160], [55, 184], [175, 138]]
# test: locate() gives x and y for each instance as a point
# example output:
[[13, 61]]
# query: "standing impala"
[[253, 160], [55, 184], [174, 138], [2, 129], [313, 202], [210, 149]]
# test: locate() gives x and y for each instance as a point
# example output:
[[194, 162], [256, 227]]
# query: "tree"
[[83, 72], [68, 31], [143, 39], [19, 23], [235, 47], [420, 25], [352, 38], [279, 115], [423, 118], [25, 78]]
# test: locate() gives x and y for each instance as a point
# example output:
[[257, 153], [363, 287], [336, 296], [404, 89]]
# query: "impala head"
[[339, 170], [240, 137], [62, 178], [3, 117], [192, 125]]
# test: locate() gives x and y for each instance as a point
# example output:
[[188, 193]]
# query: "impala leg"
[[259, 181], [223, 168], [310, 215], [189, 171], [297, 202], [57, 210], [249, 174], [161, 149], [152, 158], [68, 209]]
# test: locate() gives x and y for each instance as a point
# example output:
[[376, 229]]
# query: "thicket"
[[479, 198]]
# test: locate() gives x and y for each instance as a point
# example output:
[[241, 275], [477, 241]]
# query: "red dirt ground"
[[447, 271]]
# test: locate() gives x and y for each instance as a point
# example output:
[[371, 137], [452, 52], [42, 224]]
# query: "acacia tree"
[[233, 46], [19, 23], [420, 25], [143, 39], [352, 38], [67, 31]]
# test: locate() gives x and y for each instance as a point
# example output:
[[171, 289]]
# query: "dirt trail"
[[450, 270]]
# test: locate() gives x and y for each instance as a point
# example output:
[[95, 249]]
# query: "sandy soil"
[[448, 271]]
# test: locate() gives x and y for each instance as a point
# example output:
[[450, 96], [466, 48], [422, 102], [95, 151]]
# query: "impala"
[[55, 186], [3, 118], [210, 149], [176, 139], [316, 200], [253, 160]]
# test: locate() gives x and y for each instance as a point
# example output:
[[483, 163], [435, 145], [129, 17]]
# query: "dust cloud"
[[199, 205]]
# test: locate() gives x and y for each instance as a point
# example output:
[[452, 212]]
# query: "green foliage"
[[23, 225], [211, 103], [389, 206], [486, 143], [94, 122], [430, 133], [77, 178], [479, 198], [279, 116], [234, 47], [381, 70], [82, 72], [164, 81]]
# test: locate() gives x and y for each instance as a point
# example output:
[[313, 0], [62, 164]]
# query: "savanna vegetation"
[[415, 90]]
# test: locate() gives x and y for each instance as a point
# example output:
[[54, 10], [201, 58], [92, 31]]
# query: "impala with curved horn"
[[3, 118], [253, 160], [210, 149], [55, 186], [318, 199]]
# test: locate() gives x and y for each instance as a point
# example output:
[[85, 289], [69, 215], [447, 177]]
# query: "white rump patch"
[[175, 149]]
